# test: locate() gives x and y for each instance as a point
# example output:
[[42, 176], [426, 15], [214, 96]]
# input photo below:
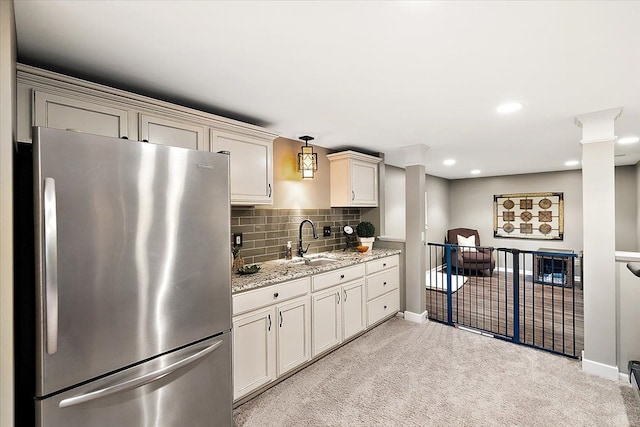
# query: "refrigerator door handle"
[[139, 381], [51, 264]]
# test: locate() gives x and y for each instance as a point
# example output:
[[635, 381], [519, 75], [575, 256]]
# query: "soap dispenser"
[[289, 254]]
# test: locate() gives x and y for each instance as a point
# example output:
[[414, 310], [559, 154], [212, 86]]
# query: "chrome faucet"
[[301, 251]]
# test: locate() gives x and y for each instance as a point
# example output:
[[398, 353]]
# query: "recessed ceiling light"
[[476, 172], [509, 107], [449, 162], [572, 163], [628, 140]]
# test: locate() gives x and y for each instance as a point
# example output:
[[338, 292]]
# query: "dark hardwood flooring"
[[551, 317]]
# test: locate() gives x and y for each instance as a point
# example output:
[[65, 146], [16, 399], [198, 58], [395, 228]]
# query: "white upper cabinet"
[[354, 179], [159, 130], [251, 166], [68, 113], [49, 99]]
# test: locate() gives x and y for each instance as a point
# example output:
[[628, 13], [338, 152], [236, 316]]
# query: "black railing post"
[[449, 302], [516, 295]]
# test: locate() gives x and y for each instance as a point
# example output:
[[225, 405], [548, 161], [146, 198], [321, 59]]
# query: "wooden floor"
[[551, 317]]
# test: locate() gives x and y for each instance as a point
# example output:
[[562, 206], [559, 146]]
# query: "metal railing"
[[527, 297]]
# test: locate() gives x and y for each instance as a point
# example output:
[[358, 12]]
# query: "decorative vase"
[[237, 263], [367, 241]]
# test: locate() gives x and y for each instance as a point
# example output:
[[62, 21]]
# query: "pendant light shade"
[[307, 159]]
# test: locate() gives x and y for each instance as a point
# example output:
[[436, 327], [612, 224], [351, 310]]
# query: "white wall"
[[7, 138], [290, 191], [394, 209], [471, 206], [626, 209], [437, 205], [638, 205], [438, 191]]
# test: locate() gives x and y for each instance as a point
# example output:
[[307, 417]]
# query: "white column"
[[415, 256], [598, 216]]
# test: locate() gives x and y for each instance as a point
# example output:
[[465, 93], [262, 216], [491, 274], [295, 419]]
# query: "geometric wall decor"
[[537, 216]]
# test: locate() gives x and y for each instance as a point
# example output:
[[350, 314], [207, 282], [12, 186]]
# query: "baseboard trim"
[[600, 369], [623, 377], [415, 318]]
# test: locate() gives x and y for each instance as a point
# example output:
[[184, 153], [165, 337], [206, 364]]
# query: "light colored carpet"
[[402, 373], [437, 280]]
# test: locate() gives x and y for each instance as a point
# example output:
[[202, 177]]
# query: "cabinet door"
[[254, 362], [158, 130], [326, 323], [353, 309], [364, 183], [60, 112], [251, 166], [294, 334]]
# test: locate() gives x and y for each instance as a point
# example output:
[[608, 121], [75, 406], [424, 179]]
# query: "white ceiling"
[[374, 76]]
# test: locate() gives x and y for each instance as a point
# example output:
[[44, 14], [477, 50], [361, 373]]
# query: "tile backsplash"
[[265, 232]]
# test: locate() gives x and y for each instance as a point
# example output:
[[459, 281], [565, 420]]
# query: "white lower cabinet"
[[294, 334], [272, 340], [338, 314], [353, 309], [254, 357], [327, 320], [278, 328], [383, 294]]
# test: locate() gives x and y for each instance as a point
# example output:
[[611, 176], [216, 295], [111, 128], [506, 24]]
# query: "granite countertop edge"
[[278, 271]]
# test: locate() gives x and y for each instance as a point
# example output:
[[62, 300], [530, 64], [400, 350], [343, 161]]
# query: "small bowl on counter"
[[249, 269], [362, 248]]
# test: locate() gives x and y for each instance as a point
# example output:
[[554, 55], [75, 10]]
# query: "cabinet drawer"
[[382, 264], [384, 306], [337, 277], [382, 283], [252, 300]]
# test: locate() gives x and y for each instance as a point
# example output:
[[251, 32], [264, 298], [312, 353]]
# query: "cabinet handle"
[[345, 295], [281, 319], [384, 264], [338, 294], [269, 190], [385, 307], [275, 295], [342, 276], [353, 195], [269, 317], [384, 284]]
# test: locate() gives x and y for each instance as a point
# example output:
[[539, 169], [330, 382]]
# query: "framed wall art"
[[537, 216]]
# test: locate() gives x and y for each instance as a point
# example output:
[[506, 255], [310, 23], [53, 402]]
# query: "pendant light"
[[307, 159]]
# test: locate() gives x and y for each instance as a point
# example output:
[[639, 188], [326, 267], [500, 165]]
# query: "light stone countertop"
[[281, 270]]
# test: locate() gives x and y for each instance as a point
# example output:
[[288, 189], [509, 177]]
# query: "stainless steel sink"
[[315, 261]]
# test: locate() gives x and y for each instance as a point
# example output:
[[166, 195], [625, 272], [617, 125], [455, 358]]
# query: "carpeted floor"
[[402, 373]]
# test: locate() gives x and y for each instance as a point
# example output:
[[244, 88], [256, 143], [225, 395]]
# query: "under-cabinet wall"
[[265, 232]]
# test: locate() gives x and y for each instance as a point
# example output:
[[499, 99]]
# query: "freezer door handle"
[[139, 381], [51, 264]]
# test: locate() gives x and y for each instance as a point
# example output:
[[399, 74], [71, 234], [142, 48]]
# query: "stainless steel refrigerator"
[[132, 283]]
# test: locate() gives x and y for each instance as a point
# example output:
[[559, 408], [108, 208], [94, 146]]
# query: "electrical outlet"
[[237, 239], [326, 231]]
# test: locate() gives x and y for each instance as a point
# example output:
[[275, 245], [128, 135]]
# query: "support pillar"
[[415, 256], [598, 216]]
